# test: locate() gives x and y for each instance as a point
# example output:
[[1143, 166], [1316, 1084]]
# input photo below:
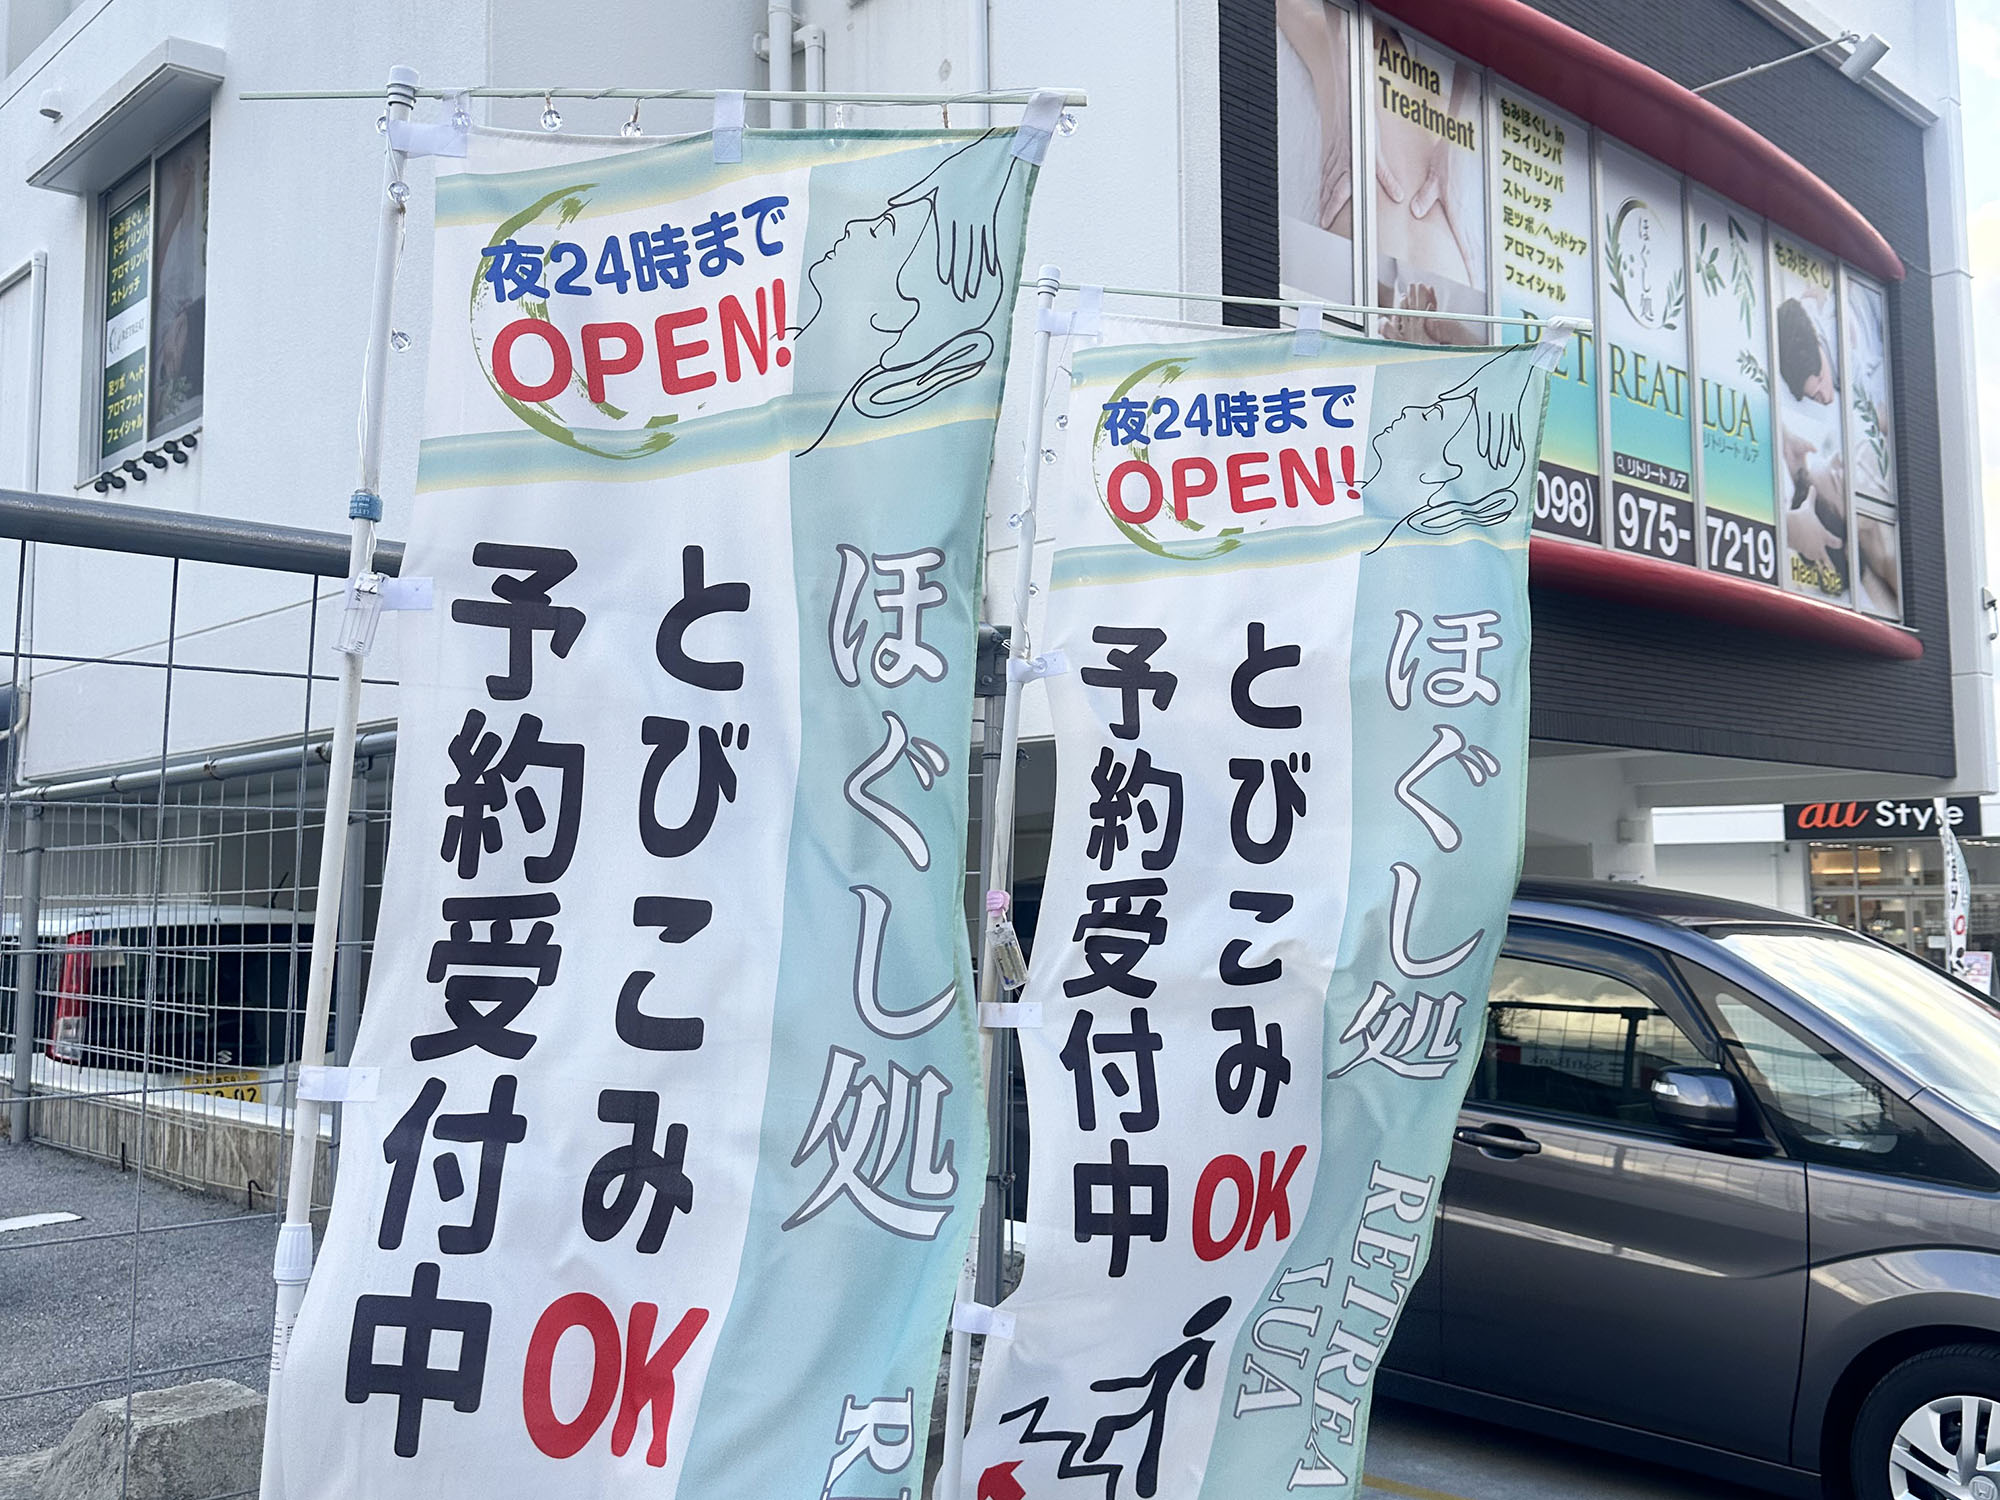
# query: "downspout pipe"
[[979, 58]]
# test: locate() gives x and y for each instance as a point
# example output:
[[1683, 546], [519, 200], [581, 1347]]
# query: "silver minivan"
[[1725, 1194]]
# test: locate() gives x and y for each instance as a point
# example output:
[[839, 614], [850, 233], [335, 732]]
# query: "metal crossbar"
[[156, 904]]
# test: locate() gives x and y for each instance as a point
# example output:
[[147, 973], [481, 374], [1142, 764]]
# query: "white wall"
[[1771, 874], [291, 229]]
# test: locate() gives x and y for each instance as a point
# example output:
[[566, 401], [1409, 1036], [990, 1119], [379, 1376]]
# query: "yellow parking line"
[[1411, 1491]]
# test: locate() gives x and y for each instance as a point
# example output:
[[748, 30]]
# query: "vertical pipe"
[[27, 975], [292, 1263], [813, 39], [1000, 849], [991, 1248], [978, 59], [778, 34], [347, 967]]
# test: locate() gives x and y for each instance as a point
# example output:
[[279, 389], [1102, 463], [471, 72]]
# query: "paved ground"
[[204, 1309], [204, 1292], [1414, 1454]]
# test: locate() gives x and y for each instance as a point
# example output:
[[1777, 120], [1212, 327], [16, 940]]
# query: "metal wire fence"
[[168, 686], [163, 776]]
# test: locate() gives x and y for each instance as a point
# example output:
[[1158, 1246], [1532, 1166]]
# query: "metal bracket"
[[989, 678]]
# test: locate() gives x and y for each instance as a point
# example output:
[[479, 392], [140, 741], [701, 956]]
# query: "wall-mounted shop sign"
[[1733, 411], [1884, 818]]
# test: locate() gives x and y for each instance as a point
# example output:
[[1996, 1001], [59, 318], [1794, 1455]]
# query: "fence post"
[[27, 975], [347, 964]]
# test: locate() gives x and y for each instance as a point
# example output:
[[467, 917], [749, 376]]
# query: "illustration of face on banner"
[[1731, 318], [1291, 752], [1646, 358], [665, 1182], [1812, 471]]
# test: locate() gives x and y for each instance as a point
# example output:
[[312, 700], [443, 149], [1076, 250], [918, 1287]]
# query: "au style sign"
[[1884, 818]]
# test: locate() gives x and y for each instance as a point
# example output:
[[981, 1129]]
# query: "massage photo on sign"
[[1813, 490], [1430, 233]]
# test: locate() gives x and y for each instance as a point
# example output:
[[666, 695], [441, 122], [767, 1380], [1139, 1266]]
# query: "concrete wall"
[[1766, 874]]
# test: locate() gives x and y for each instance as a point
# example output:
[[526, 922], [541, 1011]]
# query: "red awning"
[[1651, 113], [1629, 578]]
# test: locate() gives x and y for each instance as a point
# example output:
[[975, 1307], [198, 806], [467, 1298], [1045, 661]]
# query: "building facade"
[[1758, 570]]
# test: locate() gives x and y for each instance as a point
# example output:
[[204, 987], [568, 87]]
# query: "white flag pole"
[[292, 1264], [998, 876]]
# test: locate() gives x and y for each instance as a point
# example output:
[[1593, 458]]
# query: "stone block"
[[20, 1476], [188, 1442]]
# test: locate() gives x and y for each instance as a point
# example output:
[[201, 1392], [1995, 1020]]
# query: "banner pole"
[[292, 1263], [998, 874]]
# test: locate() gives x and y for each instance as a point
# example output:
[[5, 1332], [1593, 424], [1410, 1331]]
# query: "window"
[[1571, 1041], [154, 302], [1936, 1030], [1829, 1110]]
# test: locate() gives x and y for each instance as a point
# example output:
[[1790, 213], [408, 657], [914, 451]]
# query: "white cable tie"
[[1017, 1015], [1312, 327], [1554, 342], [329, 1085], [1048, 664], [728, 126], [1087, 320], [975, 1317], [428, 137], [407, 593], [1038, 123]]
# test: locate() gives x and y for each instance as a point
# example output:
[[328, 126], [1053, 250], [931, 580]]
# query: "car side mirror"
[[1702, 1100]]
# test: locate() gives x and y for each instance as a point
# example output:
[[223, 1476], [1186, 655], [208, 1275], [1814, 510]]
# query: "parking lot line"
[[36, 1221], [1408, 1491]]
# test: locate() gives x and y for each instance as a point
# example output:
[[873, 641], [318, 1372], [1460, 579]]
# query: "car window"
[[1939, 1031], [1829, 1109], [1567, 1040]]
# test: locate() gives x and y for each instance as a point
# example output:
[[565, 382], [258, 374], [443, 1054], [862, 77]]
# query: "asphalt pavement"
[[1416, 1454], [67, 1292], [203, 1300]]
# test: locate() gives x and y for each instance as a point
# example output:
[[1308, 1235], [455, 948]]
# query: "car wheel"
[[1930, 1430]]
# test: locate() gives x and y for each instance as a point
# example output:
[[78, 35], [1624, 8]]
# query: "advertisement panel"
[[1291, 754], [1316, 151], [1547, 270], [1428, 144], [1812, 463], [1871, 430], [668, 1159], [1732, 340], [1645, 357], [128, 247], [1885, 818]]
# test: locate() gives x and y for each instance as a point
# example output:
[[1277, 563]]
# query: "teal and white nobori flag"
[[1290, 582], [674, 1140]]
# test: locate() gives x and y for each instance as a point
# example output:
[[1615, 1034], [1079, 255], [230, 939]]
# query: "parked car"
[[226, 985], [1724, 1194]]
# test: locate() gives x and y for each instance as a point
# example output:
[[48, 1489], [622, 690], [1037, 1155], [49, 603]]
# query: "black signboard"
[[1884, 818]]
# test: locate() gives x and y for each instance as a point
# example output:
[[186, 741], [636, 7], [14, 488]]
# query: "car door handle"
[[1498, 1140]]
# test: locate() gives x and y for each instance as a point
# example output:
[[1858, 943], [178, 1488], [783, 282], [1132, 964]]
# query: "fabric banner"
[[676, 1140], [1290, 579], [1957, 892]]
